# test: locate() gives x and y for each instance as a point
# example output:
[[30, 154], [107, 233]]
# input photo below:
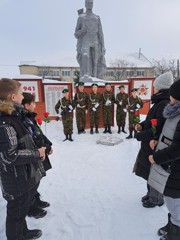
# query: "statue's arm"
[[101, 36], [79, 31]]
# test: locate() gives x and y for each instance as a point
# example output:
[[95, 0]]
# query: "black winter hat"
[[175, 90]]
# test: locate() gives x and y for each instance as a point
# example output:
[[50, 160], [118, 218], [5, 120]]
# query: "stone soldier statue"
[[81, 104], [121, 101], [108, 103], [90, 43], [134, 104], [94, 104], [64, 109]]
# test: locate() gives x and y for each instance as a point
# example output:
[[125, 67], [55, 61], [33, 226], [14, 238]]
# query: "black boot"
[[91, 131], [83, 131], [145, 198], [105, 130], [66, 138], [70, 138], [173, 233], [130, 135], [36, 212], [40, 203], [123, 130], [97, 131], [164, 230], [109, 129], [119, 129], [32, 234]]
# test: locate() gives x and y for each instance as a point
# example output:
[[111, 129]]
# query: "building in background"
[[119, 67]]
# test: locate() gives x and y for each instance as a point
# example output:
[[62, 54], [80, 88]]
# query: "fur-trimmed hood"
[[6, 107]]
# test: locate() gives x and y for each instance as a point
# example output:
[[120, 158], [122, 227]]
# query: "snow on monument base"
[[109, 140]]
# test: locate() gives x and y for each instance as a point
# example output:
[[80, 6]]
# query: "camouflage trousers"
[[67, 121], [81, 118], [120, 118], [107, 116], [131, 120], [94, 118]]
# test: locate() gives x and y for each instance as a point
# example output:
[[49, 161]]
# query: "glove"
[[108, 102], [120, 103], [138, 106], [78, 105], [70, 107], [96, 105], [94, 109], [125, 110], [58, 117]]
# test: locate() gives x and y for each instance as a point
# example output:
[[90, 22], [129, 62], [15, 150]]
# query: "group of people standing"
[[158, 160], [24, 151], [94, 102]]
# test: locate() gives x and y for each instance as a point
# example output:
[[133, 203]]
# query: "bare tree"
[[120, 68], [165, 65]]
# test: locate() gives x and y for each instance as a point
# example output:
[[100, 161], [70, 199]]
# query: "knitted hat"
[[65, 90], [164, 81], [175, 90]]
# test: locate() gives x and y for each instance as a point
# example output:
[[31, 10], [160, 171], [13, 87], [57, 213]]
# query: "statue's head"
[[89, 4]]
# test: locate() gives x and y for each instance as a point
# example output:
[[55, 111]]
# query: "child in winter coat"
[[167, 155], [36, 209], [19, 162]]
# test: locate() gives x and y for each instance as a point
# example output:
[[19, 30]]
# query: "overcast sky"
[[43, 30]]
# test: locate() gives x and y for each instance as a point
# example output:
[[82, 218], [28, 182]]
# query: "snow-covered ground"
[[93, 193]]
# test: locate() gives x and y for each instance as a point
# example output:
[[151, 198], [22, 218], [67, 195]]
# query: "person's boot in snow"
[[123, 130], [32, 234], [105, 130], [66, 138], [36, 212], [39, 202], [96, 131], [130, 135], [173, 233], [164, 230], [119, 129], [91, 131], [109, 130], [70, 138], [145, 198], [150, 204]]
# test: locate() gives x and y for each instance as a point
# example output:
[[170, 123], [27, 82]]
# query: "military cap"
[[107, 84], [94, 84], [134, 90], [65, 90], [121, 86], [80, 84]]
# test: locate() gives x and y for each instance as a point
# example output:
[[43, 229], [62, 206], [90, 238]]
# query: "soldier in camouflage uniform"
[[134, 104], [108, 100], [81, 104], [121, 101], [94, 103], [64, 109]]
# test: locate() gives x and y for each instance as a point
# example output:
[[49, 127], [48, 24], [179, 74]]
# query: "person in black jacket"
[[20, 162], [167, 155], [144, 134], [40, 140]]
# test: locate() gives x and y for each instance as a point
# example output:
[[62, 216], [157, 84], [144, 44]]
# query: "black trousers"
[[16, 213]]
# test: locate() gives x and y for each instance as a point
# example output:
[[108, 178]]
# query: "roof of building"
[[132, 59]]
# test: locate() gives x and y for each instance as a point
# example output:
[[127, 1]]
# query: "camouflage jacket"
[[134, 103], [108, 96], [81, 100], [65, 105], [94, 99], [122, 99]]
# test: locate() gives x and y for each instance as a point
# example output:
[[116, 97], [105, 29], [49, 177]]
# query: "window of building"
[[140, 73], [109, 74], [66, 73], [130, 73], [43, 71], [54, 72]]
